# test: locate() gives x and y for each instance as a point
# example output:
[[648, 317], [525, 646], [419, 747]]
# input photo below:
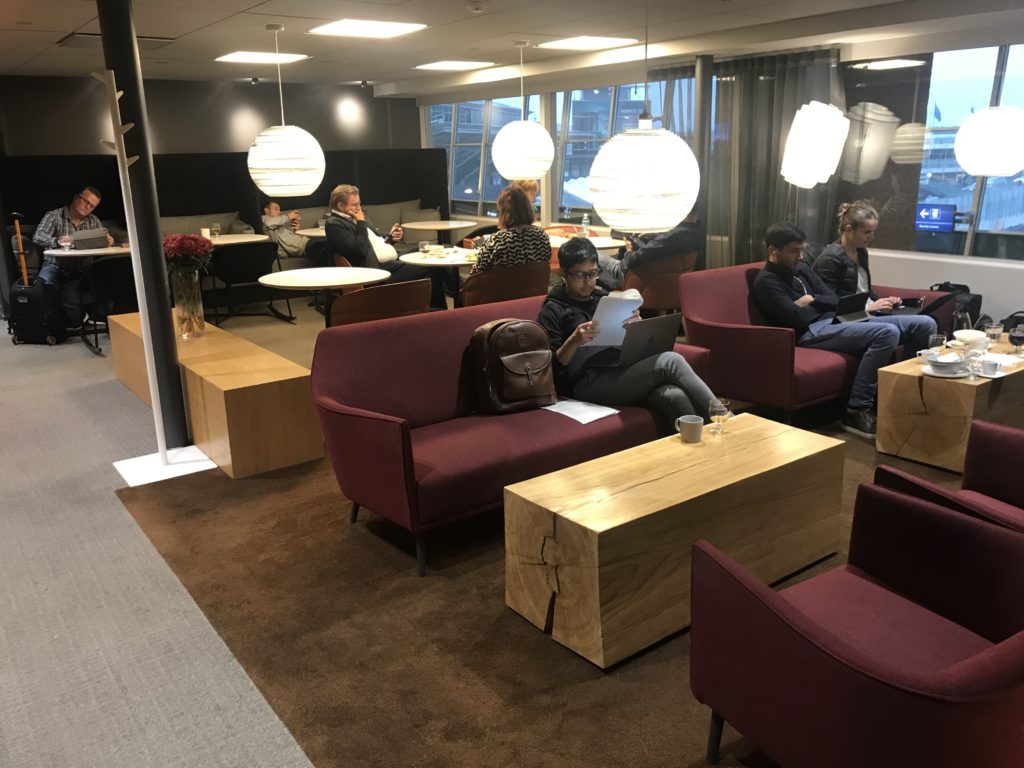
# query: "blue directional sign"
[[933, 217]]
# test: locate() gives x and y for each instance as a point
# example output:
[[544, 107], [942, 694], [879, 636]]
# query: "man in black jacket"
[[645, 248], [349, 235], [789, 294]]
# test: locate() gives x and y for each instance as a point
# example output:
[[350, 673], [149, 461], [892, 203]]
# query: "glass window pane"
[[494, 182], [466, 173], [1002, 207], [503, 112], [589, 114], [579, 156], [470, 125], [440, 117], [628, 106]]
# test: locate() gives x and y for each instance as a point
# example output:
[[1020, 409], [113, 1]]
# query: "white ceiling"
[[201, 30]]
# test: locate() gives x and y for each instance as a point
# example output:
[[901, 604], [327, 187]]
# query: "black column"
[[702, 144], [121, 54]]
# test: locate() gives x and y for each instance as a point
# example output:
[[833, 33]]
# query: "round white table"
[[601, 243], [456, 257], [314, 232], [237, 240], [113, 250], [324, 279], [444, 225]]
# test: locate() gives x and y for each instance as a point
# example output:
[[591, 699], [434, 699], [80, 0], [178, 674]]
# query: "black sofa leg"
[[354, 514], [421, 555], [714, 738]]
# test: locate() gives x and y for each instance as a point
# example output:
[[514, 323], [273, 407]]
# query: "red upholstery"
[[752, 361], [913, 654], [991, 489], [395, 402], [943, 315]]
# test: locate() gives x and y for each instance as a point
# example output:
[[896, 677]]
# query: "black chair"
[[109, 286], [239, 268]]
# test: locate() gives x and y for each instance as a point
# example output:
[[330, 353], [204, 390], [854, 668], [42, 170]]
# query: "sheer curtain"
[[754, 103]]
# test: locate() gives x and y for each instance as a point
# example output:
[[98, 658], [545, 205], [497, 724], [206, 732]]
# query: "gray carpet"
[[105, 660]]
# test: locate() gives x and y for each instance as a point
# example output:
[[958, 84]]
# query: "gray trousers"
[[664, 382]]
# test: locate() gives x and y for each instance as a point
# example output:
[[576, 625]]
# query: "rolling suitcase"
[[35, 316]]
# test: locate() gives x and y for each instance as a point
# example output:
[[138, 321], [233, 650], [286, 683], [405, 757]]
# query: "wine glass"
[[975, 356], [1016, 337], [215, 229], [66, 241], [718, 411]]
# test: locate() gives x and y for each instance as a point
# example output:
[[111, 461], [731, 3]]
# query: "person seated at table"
[[664, 382], [350, 235], [789, 294], [517, 241], [282, 228], [843, 267], [66, 271], [646, 248]]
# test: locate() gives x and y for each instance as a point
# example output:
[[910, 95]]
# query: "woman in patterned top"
[[517, 241]]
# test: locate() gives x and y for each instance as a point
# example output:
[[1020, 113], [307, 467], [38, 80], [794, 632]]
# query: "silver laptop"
[[851, 309], [643, 338]]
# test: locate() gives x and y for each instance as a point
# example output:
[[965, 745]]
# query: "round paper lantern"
[[872, 129], [644, 180], [522, 150], [286, 161], [814, 144], [989, 142], [908, 144]]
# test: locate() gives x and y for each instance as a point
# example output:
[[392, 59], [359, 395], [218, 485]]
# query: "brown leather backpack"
[[512, 366]]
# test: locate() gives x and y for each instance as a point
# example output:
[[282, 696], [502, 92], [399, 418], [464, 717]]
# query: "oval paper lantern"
[[989, 142], [814, 144], [644, 180], [872, 129], [908, 144], [286, 161], [522, 150]]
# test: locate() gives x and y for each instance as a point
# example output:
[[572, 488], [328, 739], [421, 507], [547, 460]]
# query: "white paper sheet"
[[1010, 360], [612, 311], [580, 411]]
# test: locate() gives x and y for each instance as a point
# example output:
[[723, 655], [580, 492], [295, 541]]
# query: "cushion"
[[239, 227], [382, 216], [475, 457], [419, 214], [178, 225], [310, 215], [820, 373]]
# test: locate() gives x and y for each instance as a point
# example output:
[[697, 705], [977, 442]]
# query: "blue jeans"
[[70, 296], [664, 382], [873, 342], [914, 330]]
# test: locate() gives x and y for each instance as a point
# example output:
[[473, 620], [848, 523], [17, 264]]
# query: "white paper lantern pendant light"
[[989, 142], [284, 160], [645, 179], [523, 148], [814, 144]]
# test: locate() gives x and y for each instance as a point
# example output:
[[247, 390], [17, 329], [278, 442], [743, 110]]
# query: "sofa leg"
[[354, 514], [714, 738], [421, 555]]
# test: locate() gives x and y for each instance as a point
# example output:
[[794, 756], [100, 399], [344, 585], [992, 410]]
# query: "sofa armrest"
[[911, 485], [943, 315], [738, 350], [372, 458], [698, 358], [968, 570], [989, 451]]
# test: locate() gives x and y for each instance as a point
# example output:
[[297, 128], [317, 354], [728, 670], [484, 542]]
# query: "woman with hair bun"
[[843, 266]]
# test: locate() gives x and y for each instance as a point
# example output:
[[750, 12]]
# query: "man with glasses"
[[66, 272], [663, 382]]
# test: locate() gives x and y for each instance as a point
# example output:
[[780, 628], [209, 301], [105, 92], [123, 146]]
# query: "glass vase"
[[188, 303]]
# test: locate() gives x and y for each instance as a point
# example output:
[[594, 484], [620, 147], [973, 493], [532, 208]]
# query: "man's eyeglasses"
[[581, 276], [87, 201]]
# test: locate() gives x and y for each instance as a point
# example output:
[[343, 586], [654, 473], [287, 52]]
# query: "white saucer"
[[961, 374]]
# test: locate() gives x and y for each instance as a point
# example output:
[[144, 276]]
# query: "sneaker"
[[860, 421]]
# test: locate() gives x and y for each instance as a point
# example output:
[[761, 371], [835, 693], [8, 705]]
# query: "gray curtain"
[[755, 101]]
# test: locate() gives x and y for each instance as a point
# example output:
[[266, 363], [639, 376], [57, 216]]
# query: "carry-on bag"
[[35, 316]]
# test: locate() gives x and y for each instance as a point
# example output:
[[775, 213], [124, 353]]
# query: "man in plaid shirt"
[[67, 271]]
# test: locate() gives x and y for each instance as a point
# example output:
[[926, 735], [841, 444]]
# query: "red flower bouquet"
[[186, 253]]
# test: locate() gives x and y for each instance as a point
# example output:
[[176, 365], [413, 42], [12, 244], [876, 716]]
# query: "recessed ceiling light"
[[261, 57], [889, 64], [456, 66], [366, 28], [589, 43]]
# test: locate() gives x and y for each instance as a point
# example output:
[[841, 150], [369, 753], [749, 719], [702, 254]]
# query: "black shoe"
[[861, 422]]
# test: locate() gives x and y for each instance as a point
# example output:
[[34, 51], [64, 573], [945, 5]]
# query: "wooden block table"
[[250, 410], [928, 419], [599, 553]]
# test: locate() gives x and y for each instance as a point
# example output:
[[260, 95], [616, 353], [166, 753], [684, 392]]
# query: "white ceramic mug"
[[990, 367], [690, 428]]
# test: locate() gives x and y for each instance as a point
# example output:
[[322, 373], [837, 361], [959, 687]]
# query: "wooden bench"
[[250, 410]]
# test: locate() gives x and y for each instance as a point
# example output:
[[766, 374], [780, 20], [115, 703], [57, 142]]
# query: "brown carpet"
[[369, 665]]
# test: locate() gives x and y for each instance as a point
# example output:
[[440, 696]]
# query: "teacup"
[[928, 355], [990, 367]]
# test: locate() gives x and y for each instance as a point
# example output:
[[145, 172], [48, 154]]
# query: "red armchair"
[[991, 489], [911, 654], [752, 361]]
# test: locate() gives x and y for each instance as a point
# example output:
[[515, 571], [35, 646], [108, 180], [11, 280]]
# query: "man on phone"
[[66, 272], [281, 228], [350, 235]]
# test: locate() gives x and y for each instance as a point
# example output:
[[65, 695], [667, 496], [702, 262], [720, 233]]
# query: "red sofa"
[[912, 654], [396, 403], [755, 362]]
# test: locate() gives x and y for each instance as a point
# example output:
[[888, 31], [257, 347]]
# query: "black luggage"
[[36, 316]]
